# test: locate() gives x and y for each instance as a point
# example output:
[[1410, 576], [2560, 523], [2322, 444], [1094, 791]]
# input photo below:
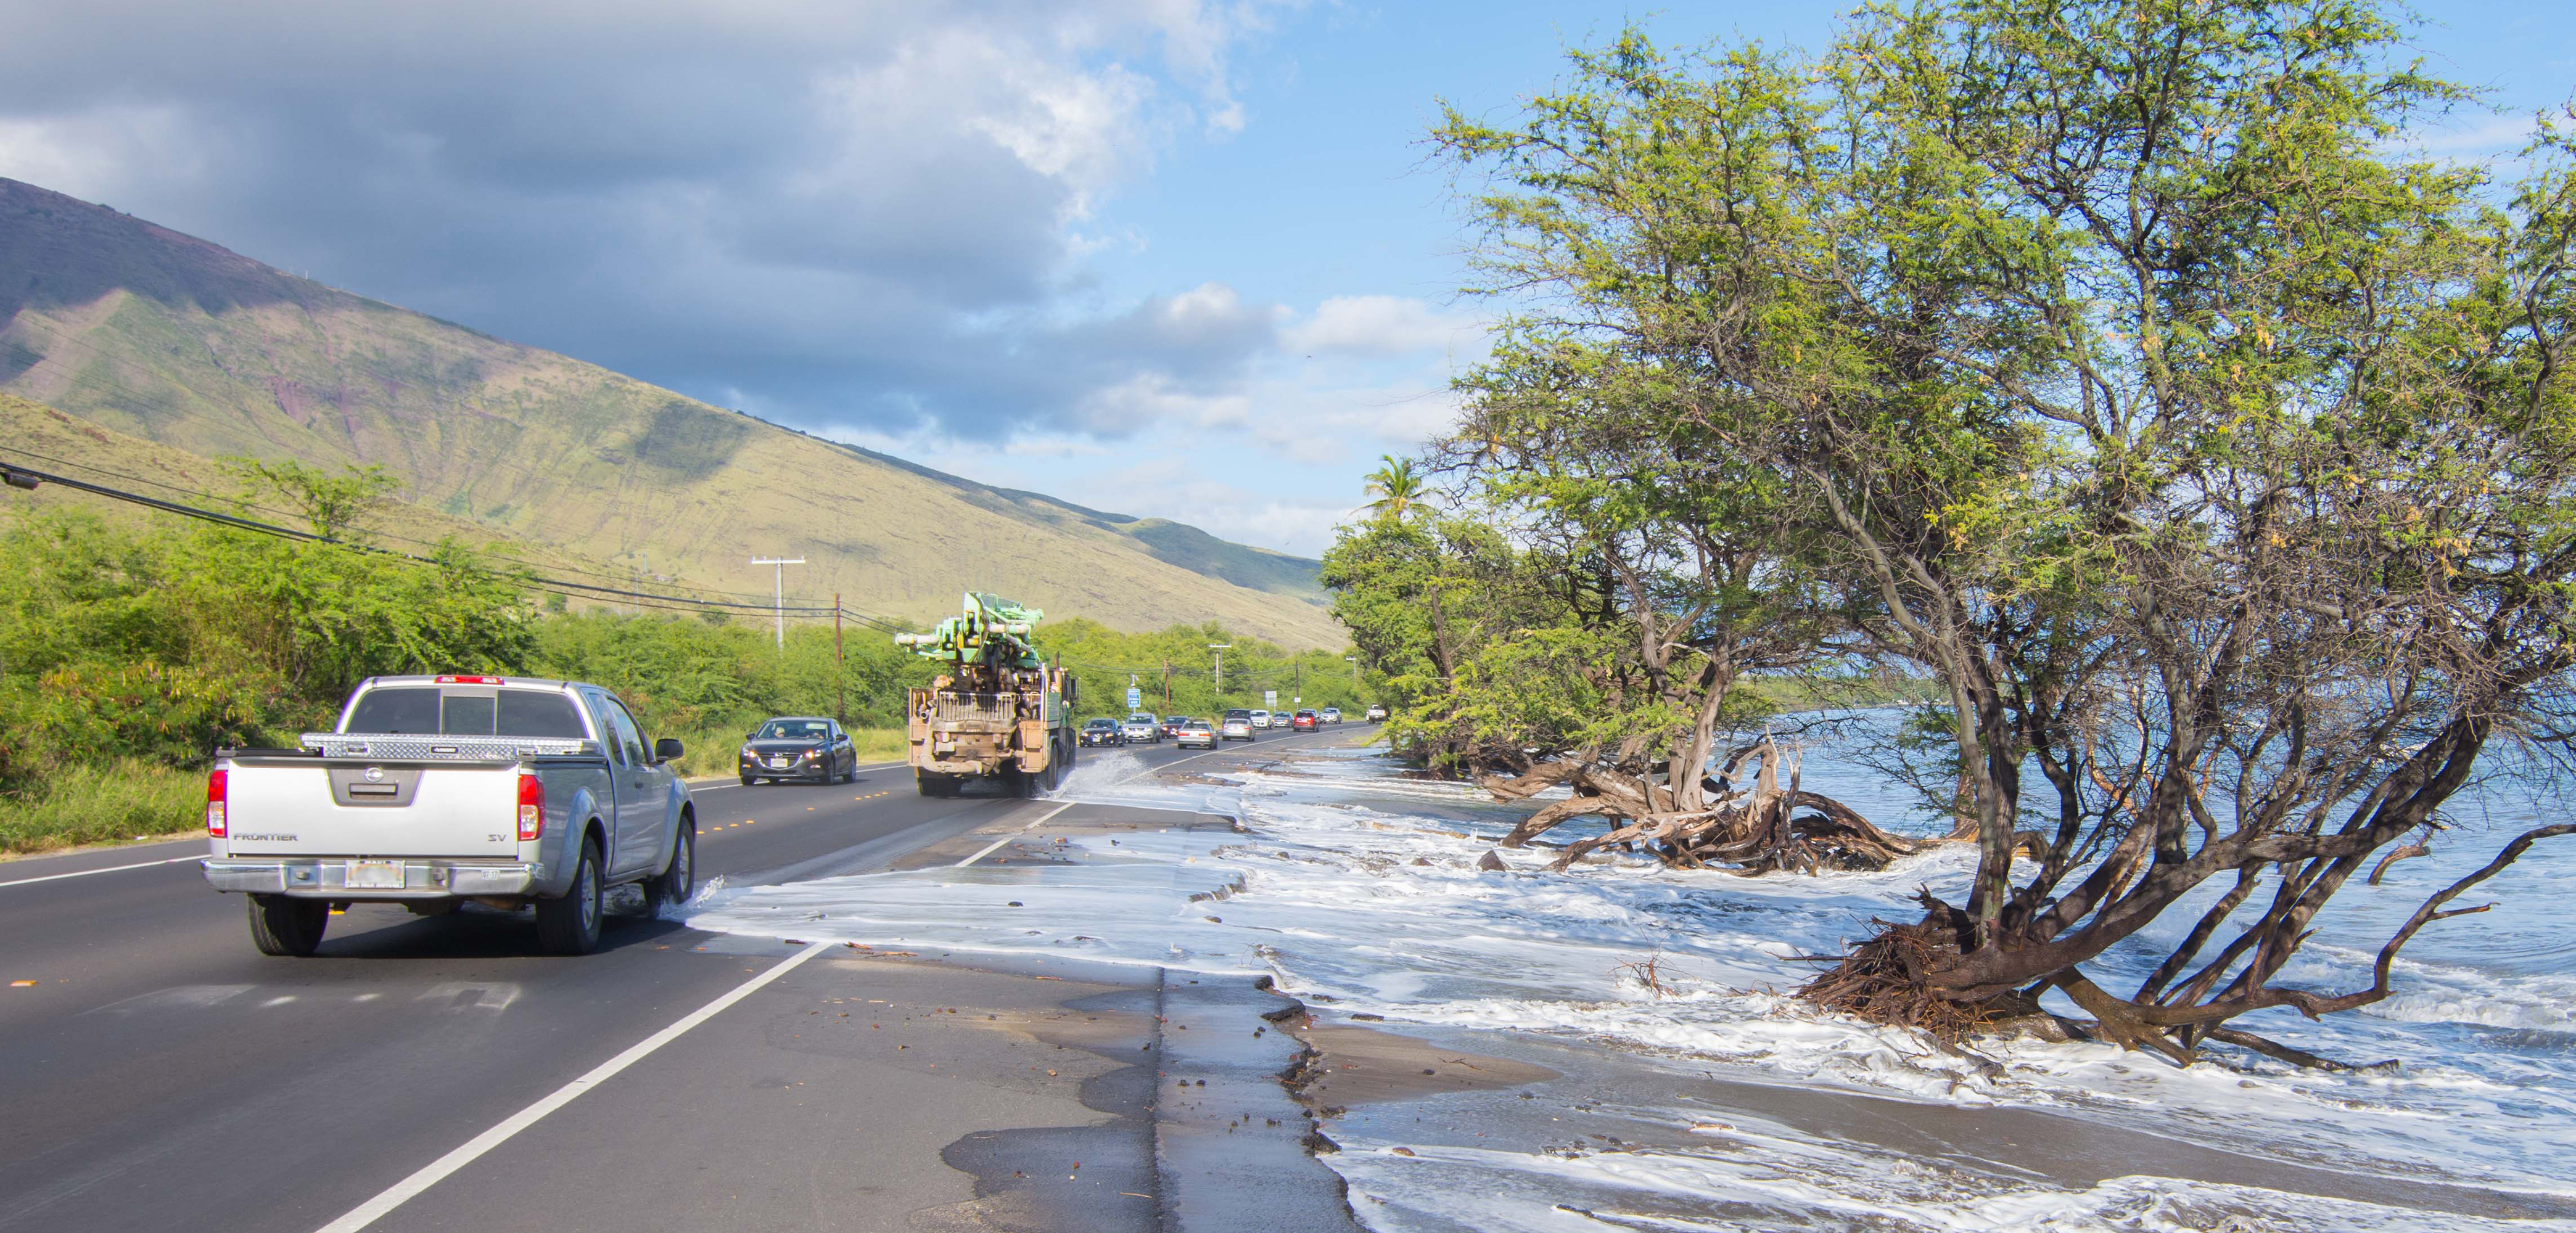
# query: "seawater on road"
[[160, 1074], [1712, 1101]]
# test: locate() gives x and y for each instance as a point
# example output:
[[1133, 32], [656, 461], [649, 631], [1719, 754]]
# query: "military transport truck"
[[996, 710]]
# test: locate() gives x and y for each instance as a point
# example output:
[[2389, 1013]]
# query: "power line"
[[26, 453], [559, 586]]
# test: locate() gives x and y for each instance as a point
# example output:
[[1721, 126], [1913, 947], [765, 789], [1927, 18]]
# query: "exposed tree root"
[[1887, 980], [2291, 1053], [1764, 829]]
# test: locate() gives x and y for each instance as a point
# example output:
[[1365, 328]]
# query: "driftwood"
[[1762, 829]]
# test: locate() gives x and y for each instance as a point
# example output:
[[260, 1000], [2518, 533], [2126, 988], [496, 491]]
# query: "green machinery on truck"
[[997, 710]]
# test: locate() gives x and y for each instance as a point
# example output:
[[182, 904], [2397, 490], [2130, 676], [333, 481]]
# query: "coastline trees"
[[2117, 367]]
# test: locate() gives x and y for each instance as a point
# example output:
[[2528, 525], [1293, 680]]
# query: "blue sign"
[[1135, 698]]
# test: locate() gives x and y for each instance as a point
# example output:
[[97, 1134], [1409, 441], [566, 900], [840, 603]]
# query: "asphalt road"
[[160, 1074]]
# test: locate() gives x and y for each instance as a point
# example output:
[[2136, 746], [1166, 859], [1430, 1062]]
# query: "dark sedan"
[[1102, 732], [799, 747]]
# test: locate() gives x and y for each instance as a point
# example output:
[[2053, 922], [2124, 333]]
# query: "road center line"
[[1033, 825], [713, 783], [83, 873], [1218, 750], [401, 1192]]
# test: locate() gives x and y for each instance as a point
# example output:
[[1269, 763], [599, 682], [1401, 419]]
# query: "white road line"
[[83, 873], [711, 783], [1033, 825], [395, 1196], [1218, 750]]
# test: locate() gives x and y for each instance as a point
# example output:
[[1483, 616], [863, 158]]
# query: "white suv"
[[1261, 719]]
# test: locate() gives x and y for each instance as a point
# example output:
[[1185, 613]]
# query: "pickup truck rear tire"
[[290, 927], [569, 925], [677, 879], [932, 783]]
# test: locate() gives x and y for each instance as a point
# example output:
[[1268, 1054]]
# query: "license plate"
[[375, 875], [775, 763]]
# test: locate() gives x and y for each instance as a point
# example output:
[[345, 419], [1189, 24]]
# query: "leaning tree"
[[2128, 377]]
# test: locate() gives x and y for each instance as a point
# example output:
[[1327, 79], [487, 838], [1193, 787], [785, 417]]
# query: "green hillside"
[[164, 337]]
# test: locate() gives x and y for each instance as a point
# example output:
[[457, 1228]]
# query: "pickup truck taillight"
[[532, 807], [217, 790]]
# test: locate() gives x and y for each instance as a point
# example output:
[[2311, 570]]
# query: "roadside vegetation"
[[1104, 661], [2132, 375], [131, 648]]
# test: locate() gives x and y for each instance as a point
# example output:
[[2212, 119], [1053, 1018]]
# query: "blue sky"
[[1178, 258]]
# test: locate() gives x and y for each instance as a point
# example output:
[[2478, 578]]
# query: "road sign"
[[1135, 698], [1270, 699]]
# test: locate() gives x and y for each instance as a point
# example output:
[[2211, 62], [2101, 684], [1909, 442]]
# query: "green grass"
[[115, 804], [712, 751]]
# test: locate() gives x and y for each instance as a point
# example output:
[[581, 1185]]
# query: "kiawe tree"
[[2116, 366]]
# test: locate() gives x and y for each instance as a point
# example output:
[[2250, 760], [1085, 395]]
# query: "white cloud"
[[818, 203], [102, 150], [1380, 325]]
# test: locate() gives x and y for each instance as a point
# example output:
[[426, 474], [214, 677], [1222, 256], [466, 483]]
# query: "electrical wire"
[[559, 586]]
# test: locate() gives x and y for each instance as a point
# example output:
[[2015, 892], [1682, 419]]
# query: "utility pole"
[[1220, 648], [1167, 687], [840, 669], [1354, 662], [780, 565]]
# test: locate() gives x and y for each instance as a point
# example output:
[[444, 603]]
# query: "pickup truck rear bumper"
[[329, 879]]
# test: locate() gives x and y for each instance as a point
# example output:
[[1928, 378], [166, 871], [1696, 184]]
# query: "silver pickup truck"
[[439, 791]]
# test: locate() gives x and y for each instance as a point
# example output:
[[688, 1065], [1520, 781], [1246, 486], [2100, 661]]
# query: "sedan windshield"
[[794, 730]]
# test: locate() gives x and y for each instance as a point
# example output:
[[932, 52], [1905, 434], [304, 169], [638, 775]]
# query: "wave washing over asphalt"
[[1698, 1107]]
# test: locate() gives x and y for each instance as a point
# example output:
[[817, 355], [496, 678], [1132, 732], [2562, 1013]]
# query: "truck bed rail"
[[413, 748]]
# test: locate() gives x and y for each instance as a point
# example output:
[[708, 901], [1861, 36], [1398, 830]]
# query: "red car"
[[1304, 722]]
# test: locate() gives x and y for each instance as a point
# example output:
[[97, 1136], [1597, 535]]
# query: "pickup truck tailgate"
[[307, 806]]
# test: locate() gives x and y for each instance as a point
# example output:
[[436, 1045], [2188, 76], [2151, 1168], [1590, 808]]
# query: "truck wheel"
[[933, 783], [570, 925], [290, 927], [677, 879]]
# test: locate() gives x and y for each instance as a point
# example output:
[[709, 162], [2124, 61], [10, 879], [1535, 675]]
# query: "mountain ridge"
[[173, 339]]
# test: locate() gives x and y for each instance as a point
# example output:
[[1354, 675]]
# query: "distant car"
[[1330, 714], [1142, 728], [1261, 719], [808, 748], [1376, 712], [1172, 725], [1304, 721], [1238, 726], [1101, 732], [1197, 732]]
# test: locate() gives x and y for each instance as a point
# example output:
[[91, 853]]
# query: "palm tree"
[[1396, 485]]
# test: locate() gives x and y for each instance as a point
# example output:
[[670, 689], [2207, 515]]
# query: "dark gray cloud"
[[833, 211]]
